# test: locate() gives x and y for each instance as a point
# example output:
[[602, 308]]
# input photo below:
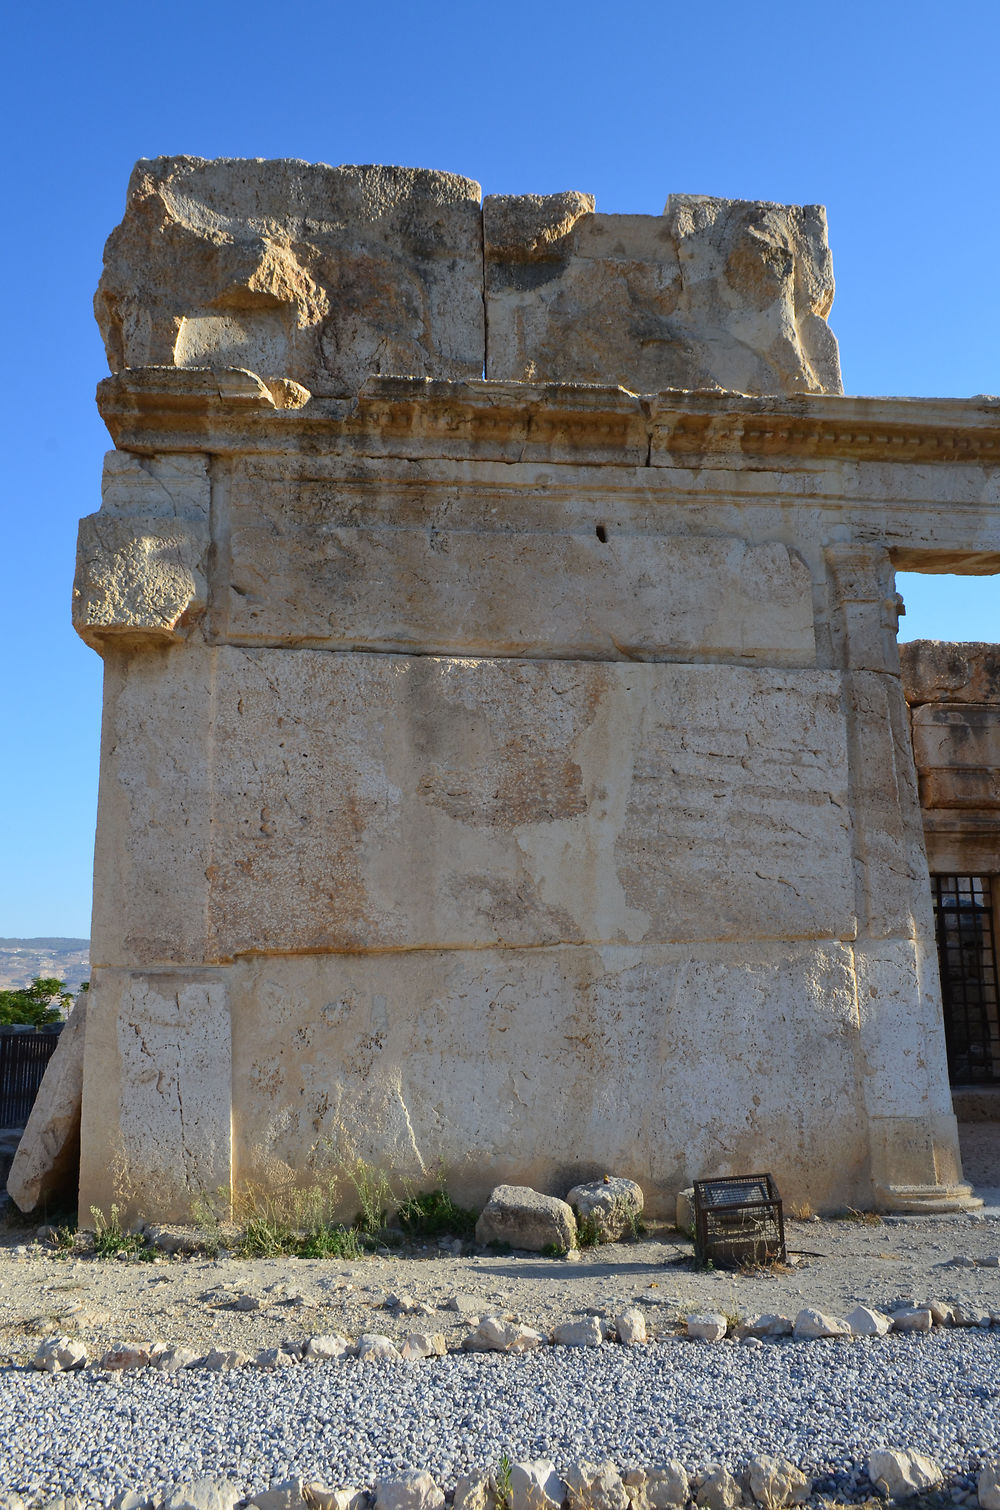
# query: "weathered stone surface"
[[718, 1490], [413, 1490], [424, 1345], [612, 1206], [125, 1356], [170, 1360], [864, 1322], [769, 1324], [46, 1164], [494, 1336], [536, 1486], [295, 270], [988, 1486], [221, 1360], [326, 1347], [774, 1482], [912, 1319], [588, 582], [594, 1486], [810, 1323], [475, 1491], [662, 1488], [376, 1348], [289, 1494], [713, 292], [900, 1472], [203, 1494], [487, 777], [631, 1327], [707, 1326], [584, 1333], [524, 1218], [57, 1354]]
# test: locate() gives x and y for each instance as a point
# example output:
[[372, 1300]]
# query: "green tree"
[[45, 1000]]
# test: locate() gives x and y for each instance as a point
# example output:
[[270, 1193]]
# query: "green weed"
[[433, 1213]]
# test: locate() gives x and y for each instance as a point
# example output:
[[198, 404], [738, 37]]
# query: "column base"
[[925, 1200]]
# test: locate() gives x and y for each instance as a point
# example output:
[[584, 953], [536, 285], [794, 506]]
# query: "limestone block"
[[294, 270], [594, 1486], [707, 1326], [613, 1065], [810, 1324], [415, 801], [412, 1490], [203, 1494], [718, 1490], [525, 1218], [536, 1486], [864, 1322], [956, 747], [157, 1122], [495, 1336], [900, 1472], [912, 1319], [442, 574], [936, 671], [141, 562], [586, 1332], [663, 1488], [137, 577], [988, 1486], [775, 1483], [631, 1327], [714, 292], [612, 1205], [46, 1164]]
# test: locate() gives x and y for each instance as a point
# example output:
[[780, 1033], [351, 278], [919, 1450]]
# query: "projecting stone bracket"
[[141, 561], [138, 577]]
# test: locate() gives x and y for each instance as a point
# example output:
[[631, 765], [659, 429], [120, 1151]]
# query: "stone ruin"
[[506, 768]]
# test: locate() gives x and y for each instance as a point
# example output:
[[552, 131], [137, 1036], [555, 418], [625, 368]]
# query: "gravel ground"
[[824, 1405]]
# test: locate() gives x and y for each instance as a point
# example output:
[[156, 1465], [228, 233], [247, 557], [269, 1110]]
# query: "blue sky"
[[885, 112]]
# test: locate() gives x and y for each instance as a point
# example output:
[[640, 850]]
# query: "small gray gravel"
[[824, 1405]]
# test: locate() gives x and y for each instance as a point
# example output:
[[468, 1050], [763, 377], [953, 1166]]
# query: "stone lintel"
[[225, 410]]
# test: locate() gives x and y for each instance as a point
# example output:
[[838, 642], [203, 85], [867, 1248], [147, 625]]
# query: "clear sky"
[[884, 111]]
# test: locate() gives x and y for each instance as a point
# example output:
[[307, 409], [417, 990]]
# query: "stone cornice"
[[226, 411]]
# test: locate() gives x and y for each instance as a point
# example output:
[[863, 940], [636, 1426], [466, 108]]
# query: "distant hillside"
[[22, 959]]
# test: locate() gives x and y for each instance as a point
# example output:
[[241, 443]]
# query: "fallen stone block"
[[867, 1323], [811, 1324], [630, 1327], [594, 1486], [585, 1333], [203, 1494], [775, 1483], [610, 1207], [899, 1472], [374, 1347], [57, 1355], [988, 1486], [718, 1490], [663, 1488], [536, 1486], [707, 1326], [413, 1490], [47, 1162], [521, 1217]]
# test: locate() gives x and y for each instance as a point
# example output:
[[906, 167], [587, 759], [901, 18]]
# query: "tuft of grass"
[[802, 1211], [433, 1213], [375, 1195], [863, 1218], [111, 1240], [295, 1222], [588, 1230]]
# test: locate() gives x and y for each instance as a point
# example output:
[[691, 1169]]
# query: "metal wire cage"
[[738, 1221]]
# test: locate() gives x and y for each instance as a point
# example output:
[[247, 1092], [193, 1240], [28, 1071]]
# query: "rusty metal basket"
[[738, 1221]]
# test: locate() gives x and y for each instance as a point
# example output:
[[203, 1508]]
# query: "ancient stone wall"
[[504, 772]]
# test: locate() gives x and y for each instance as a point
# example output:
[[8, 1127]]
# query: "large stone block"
[[295, 270], [715, 292], [453, 576], [407, 802], [157, 1131], [46, 1164], [546, 1066]]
